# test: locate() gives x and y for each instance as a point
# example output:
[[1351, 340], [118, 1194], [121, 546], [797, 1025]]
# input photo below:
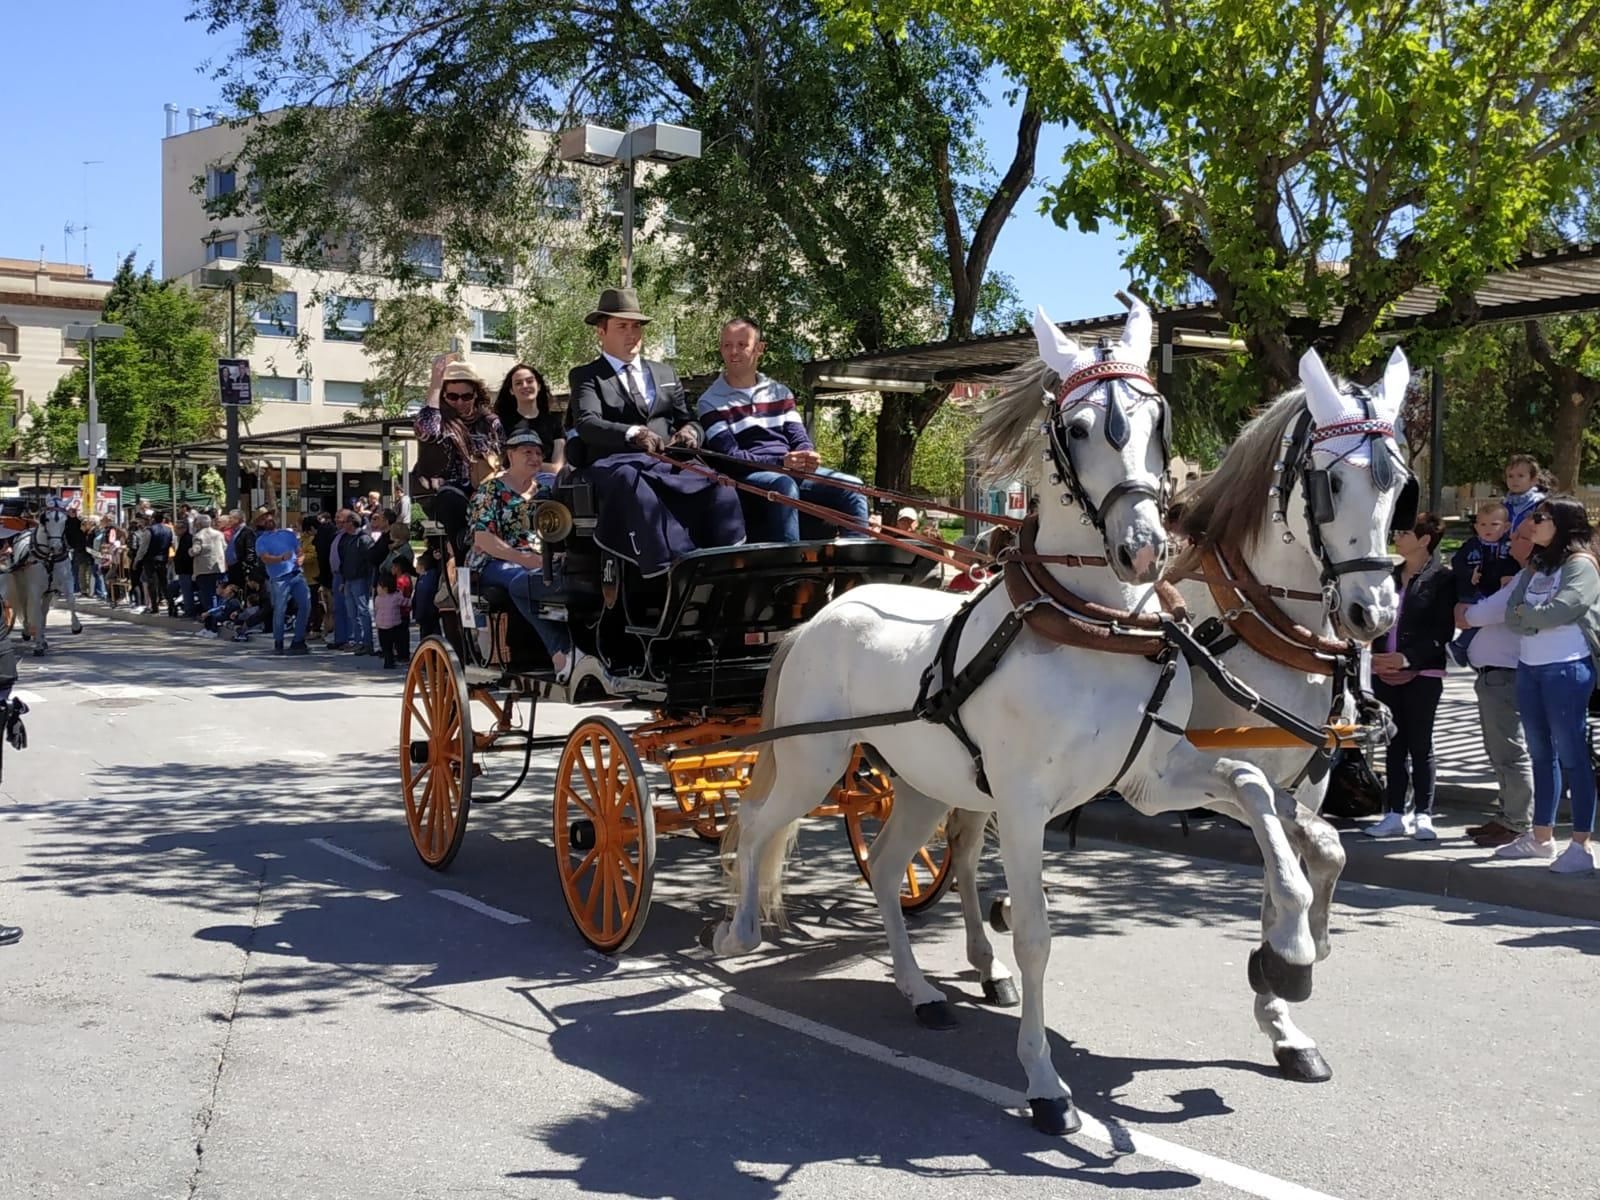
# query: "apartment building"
[[38, 300]]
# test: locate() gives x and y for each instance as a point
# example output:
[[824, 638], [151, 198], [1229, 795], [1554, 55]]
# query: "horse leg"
[[1320, 849], [965, 833], [1049, 1098], [760, 836], [912, 821]]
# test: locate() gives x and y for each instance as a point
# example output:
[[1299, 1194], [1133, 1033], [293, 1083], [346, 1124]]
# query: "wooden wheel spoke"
[[571, 794], [606, 872], [585, 863], [927, 860], [913, 888]]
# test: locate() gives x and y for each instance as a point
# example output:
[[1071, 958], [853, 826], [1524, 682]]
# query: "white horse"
[[41, 567], [1319, 543], [1056, 723]]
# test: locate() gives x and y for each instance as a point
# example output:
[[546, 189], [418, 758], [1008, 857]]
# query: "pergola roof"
[[337, 435], [1558, 282]]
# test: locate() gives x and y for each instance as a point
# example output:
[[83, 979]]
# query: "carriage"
[[691, 647]]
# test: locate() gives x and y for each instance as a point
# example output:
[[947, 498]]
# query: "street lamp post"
[[229, 281], [100, 331], [598, 146]]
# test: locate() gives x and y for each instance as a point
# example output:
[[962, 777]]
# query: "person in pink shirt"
[[391, 616]]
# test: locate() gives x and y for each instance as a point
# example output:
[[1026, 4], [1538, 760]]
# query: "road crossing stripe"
[[478, 906], [325, 844]]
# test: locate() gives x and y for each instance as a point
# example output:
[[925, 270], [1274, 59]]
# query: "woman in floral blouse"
[[457, 416], [501, 518]]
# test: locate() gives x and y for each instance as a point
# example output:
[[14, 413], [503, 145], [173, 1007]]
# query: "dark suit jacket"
[[1427, 619], [602, 411]]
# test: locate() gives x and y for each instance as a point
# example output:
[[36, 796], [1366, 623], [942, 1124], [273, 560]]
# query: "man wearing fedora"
[[626, 408]]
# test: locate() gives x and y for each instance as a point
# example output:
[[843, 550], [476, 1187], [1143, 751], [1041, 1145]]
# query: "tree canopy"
[[843, 197]]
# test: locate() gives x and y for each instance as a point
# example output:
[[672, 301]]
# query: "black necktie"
[[633, 390]]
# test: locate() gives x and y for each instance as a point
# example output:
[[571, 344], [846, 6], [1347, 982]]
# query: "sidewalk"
[[1452, 866]]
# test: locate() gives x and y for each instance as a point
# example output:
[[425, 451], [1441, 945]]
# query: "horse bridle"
[[1058, 433], [1316, 486]]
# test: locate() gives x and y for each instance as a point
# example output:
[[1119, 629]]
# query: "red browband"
[[1098, 372], [1349, 428]]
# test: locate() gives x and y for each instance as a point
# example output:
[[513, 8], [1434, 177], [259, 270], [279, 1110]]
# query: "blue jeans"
[[528, 590], [769, 521], [205, 589], [186, 590], [1552, 699], [284, 591], [341, 615], [358, 611]]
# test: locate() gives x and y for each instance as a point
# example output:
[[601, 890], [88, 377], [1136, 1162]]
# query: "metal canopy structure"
[[1559, 282], [339, 435]]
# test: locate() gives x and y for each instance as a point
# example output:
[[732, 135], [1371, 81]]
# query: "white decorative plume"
[[1060, 353], [1331, 406]]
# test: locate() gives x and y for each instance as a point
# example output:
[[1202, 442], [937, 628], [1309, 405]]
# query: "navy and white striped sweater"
[[759, 424]]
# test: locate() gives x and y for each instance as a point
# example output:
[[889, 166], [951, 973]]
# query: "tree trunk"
[[1572, 418], [901, 418]]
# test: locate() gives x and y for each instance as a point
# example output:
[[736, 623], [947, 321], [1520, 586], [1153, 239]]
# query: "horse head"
[[1109, 437], [1345, 460]]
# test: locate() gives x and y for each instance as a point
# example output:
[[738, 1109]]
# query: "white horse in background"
[[41, 568], [1056, 723]]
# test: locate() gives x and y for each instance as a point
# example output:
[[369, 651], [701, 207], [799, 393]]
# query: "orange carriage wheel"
[[865, 797], [605, 834], [436, 752]]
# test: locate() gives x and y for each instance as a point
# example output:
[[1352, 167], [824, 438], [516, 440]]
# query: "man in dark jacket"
[[332, 584], [357, 565], [155, 561], [626, 408], [183, 568]]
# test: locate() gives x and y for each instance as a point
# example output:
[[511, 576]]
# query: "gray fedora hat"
[[617, 302]]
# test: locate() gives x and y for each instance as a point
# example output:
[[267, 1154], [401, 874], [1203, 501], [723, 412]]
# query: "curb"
[[1456, 869]]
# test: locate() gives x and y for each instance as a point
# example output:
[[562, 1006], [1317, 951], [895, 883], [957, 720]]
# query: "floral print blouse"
[[484, 438], [499, 510]]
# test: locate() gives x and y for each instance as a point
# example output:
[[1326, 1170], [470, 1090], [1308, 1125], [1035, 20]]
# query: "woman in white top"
[[1555, 606]]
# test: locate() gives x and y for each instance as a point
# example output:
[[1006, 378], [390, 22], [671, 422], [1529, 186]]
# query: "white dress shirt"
[[641, 378]]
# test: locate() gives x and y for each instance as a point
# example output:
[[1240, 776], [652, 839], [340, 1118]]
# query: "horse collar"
[[1249, 607]]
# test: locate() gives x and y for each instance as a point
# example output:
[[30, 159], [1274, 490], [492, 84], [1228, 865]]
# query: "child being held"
[[1481, 565], [227, 612], [1524, 489]]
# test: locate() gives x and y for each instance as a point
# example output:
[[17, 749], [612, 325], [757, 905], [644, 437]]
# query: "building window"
[[285, 389], [268, 247], [8, 339], [561, 198], [220, 181], [615, 207], [341, 250], [492, 332], [277, 316], [426, 254], [342, 391], [346, 318], [227, 247], [488, 269]]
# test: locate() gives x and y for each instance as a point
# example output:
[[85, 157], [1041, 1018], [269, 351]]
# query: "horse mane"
[[1008, 444], [1225, 510]]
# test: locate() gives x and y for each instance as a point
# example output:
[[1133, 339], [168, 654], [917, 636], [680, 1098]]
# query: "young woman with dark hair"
[[525, 397], [1555, 606], [1408, 669]]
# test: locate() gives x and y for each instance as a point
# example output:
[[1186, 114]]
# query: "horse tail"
[[763, 775]]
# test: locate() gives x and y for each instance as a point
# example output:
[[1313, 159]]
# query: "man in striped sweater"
[[748, 417]]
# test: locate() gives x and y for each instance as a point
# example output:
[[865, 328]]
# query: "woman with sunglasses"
[[1555, 606], [457, 417], [524, 396], [1408, 670]]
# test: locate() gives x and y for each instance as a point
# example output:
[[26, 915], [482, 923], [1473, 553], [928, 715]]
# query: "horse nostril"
[[1125, 558], [1359, 617]]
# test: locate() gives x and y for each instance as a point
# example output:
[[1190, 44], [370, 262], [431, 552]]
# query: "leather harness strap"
[[1250, 609]]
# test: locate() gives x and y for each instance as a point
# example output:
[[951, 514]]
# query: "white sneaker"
[[1527, 846], [1423, 830], [1393, 825], [1576, 859]]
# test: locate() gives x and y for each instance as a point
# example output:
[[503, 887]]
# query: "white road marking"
[[31, 699], [120, 691], [371, 864], [478, 906]]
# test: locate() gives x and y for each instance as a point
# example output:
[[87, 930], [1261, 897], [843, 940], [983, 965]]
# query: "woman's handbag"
[[1353, 790]]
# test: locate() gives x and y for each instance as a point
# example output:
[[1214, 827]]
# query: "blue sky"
[[87, 82]]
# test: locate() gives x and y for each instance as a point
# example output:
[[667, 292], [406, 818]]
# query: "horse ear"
[[1396, 379], [1136, 333], [1060, 353], [1322, 394]]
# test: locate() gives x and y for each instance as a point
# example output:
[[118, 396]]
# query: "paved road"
[[239, 982]]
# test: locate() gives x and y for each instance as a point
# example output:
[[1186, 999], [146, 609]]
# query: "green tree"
[[51, 434], [406, 333], [1307, 163], [9, 416], [841, 198]]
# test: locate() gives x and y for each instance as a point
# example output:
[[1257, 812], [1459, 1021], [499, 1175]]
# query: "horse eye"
[[1077, 431], [1336, 484]]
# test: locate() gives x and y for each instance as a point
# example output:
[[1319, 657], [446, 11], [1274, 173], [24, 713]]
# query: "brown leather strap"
[[1252, 613]]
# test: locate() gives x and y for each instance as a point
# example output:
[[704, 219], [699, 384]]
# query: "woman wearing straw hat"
[[625, 410], [457, 417]]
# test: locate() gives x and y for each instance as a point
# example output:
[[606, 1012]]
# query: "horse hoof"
[[77, 629], [1057, 1117], [707, 934], [1303, 1066], [1000, 914], [937, 1016], [1002, 993], [1270, 975]]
